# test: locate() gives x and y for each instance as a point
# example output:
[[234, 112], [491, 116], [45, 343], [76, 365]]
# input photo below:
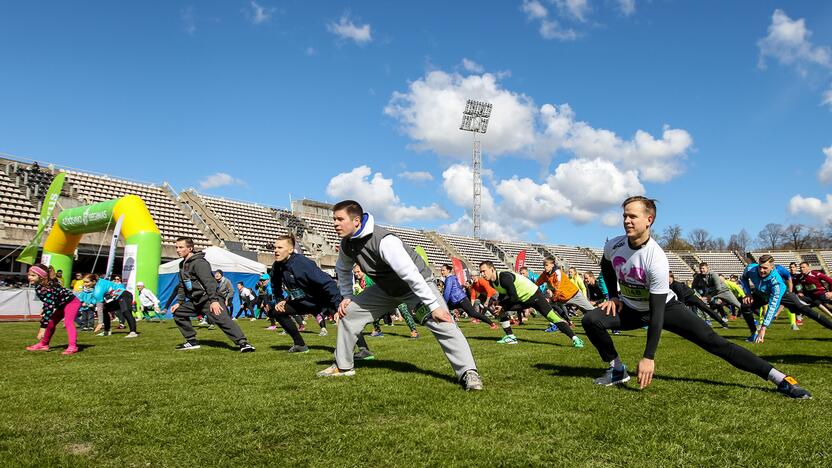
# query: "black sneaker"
[[791, 389], [246, 348], [363, 354], [188, 345], [299, 349]]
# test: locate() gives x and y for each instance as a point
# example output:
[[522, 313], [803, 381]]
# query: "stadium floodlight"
[[475, 120]]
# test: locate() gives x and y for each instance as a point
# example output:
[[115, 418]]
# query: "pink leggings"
[[68, 314]]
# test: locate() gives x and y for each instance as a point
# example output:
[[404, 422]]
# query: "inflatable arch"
[[138, 229]]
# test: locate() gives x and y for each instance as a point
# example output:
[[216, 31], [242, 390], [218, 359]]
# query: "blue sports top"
[[771, 287]]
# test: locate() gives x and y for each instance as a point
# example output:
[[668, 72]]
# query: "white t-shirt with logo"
[[640, 271]]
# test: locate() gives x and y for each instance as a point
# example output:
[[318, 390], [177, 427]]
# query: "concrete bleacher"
[[324, 227], [16, 210], [573, 257], [474, 251], [534, 261], [257, 226], [681, 270], [780, 257], [169, 217], [415, 237], [727, 263]]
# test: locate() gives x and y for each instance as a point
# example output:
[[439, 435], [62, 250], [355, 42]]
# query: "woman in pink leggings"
[[59, 304]]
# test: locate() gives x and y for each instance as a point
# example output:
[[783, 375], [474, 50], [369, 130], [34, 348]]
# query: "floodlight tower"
[[475, 120]]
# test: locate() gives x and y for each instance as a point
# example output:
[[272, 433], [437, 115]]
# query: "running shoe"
[[752, 338], [38, 347], [323, 332], [508, 339], [104, 333], [616, 332], [577, 342], [299, 349], [211, 327], [613, 377], [552, 328], [471, 381], [334, 371], [187, 346], [252, 319], [132, 335], [791, 389], [725, 324], [271, 327], [493, 326], [120, 327], [795, 327], [475, 321], [377, 333], [414, 335], [234, 319], [246, 348], [363, 354], [202, 323], [798, 320], [302, 327], [70, 350]]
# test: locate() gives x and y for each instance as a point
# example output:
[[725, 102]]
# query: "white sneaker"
[[323, 332], [334, 371], [132, 335]]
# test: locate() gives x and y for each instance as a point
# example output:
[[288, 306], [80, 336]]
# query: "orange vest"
[[562, 290]]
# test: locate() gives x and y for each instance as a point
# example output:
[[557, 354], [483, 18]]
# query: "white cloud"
[[472, 66], [788, 41], [257, 13], [594, 185], [577, 9], [188, 20], [812, 207], [346, 29], [549, 28], [416, 176], [611, 218], [220, 179], [376, 195], [627, 7], [825, 173], [431, 109]]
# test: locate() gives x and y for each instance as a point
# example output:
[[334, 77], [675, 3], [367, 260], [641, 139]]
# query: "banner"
[[521, 260], [128, 272], [30, 253], [113, 244], [459, 270]]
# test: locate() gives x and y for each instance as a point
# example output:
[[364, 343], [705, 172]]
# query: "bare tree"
[[739, 241], [700, 239], [797, 236], [771, 236], [671, 238], [718, 244]]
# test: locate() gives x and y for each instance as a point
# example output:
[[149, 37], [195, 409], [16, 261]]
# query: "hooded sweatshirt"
[[303, 281], [196, 281]]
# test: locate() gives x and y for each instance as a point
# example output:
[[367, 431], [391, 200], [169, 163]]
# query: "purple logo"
[[635, 273]]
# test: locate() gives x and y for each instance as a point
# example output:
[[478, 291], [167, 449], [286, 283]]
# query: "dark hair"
[[187, 240], [671, 274], [750, 256], [447, 267], [43, 280], [240, 283], [792, 263], [91, 277], [220, 272], [550, 259], [487, 263], [765, 259], [286, 237], [804, 263], [649, 204], [352, 207], [703, 264]]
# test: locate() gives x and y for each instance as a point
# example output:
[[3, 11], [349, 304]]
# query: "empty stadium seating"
[[681, 270], [534, 261], [781, 258], [473, 250], [727, 263], [573, 257], [16, 210], [414, 237]]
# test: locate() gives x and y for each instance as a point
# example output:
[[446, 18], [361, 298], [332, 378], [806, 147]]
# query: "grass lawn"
[[139, 403]]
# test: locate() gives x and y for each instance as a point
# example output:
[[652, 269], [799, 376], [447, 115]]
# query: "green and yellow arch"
[[138, 228]]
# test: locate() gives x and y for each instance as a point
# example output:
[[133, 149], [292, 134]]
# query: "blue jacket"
[[300, 279], [453, 294], [103, 287], [772, 288]]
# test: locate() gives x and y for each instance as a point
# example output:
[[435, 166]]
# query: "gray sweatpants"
[[373, 303], [580, 301], [728, 297], [187, 310]]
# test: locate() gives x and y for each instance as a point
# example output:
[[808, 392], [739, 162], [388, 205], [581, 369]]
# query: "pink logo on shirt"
[[635, 273]]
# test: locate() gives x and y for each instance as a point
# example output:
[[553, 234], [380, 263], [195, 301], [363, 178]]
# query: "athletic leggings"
[[539, 303], [408, 317], [694, 301], [294, 310], [245, 307], [679, 320], [66, 313], [466, 306], [791, 302], [124, 306]]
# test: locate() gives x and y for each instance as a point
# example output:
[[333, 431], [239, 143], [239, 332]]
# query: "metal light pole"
[[475, 120]]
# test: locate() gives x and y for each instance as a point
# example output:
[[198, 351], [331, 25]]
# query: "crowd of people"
[[381, 279]]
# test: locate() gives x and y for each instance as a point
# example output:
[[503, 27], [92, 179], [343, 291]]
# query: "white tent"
[[234, 267]]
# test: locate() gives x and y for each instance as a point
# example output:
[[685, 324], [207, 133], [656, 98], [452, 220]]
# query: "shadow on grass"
[[592, 372], [218, 344], [329, 349], [521, 340], [798, 359], [398, 366]]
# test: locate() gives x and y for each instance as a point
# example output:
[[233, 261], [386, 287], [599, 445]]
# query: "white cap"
[[140, 283]]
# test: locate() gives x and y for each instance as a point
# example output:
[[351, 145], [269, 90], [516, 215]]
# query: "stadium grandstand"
[[250, 228]]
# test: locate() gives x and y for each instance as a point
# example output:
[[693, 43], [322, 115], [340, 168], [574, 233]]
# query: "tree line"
[[772, 237]]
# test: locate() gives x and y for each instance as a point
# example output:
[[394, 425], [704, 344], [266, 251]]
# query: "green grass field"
[[139, 403]]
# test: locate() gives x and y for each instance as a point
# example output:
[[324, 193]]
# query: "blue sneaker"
[[613, 377], [791, 389], [552, 328], [752, 338]]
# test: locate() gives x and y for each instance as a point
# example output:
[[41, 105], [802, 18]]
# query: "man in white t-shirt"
[[635, 269]]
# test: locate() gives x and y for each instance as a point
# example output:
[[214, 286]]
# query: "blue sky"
[[715, 108]]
